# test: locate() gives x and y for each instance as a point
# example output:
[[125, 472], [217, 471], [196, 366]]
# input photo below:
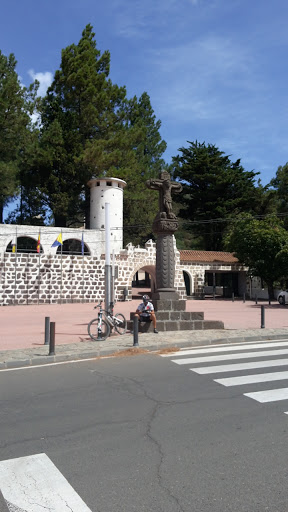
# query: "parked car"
[[283, 297]]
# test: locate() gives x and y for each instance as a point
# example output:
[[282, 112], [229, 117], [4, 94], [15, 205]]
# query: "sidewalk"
[[22, 330]]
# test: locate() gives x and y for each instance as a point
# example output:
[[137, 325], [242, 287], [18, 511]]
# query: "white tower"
[[107, 190]]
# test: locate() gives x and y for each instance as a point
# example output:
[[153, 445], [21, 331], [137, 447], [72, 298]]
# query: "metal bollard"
[[232, 296], [256, 300], [47, 330], [244, 297], [262, 317], [135, 332], [52, 339]]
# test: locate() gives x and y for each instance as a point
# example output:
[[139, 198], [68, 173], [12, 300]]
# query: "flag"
[[14, 244], [82, 245], [38, 243], [58, 241]]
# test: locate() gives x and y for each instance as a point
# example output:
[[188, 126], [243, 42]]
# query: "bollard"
[[244, 297], [256, 300], [52, 339], [262, 317], [47, 330], [232, 296], [135, 332]]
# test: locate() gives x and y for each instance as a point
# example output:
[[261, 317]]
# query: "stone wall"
[[196, 273], [48, 277], [51, 278]]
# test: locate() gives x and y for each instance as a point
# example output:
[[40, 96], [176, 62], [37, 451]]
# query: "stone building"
[[61, 274]]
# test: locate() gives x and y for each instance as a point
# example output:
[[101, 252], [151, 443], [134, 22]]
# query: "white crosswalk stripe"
[[226, 348], [240, 366], [228, 357], [252, 379], [228, 353]]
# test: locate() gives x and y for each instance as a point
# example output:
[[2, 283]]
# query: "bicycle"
[[100, 328]]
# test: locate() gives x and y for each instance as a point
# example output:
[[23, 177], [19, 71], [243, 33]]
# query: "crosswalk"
[[245, 359]]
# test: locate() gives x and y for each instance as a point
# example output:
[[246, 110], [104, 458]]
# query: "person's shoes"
[[155, 331]]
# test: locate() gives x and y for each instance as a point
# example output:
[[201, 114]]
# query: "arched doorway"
[[187, 281], [143, 282]]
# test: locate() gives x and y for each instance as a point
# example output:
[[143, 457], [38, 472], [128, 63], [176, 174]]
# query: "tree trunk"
[[271, 290], [60, 221]]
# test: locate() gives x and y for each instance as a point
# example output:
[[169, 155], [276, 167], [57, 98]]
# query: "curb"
[[99, 353]]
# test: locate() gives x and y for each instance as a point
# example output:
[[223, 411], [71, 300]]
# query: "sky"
[[215, 70]]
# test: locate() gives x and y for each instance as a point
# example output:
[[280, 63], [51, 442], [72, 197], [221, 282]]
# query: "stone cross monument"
[[171, 314], [164, 226]]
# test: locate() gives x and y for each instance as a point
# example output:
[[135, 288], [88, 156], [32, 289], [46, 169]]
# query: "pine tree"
[[214, 190], [82, 105], [16, 105]]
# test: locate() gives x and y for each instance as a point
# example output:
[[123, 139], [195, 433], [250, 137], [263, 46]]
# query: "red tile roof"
[[207, 256]]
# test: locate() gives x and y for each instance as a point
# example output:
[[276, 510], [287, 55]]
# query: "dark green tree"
[[140, 204], [279, 186], [81, 105], [262, 246], [214, 190], [90, 129], [17, 103]]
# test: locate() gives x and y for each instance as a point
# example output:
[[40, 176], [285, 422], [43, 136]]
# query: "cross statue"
[[165, 187]]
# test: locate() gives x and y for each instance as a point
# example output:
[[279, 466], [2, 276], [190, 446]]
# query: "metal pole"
[[232, 296], [244, 297], [52, 339], [214, 285], [107, 258], [39, 264], [262, 317], [135, 332], [15, 268], [47, 330], [113, 278], [61, 282], [256, 300], [83, 252]]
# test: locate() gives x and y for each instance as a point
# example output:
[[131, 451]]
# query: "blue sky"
[[215, 70]]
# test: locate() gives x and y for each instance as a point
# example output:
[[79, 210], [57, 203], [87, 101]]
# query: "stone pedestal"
[[171, 316], [170, 310]]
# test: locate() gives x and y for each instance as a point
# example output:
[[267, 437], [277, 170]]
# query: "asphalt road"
[[142, 433]]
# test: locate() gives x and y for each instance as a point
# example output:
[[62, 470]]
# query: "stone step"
[[169, 305], [176, 315], [177, 325]]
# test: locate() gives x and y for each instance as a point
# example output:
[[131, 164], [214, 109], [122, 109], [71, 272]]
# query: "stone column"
[[164, 226]]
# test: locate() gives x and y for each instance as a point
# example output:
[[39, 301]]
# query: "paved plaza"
[[23, 327]]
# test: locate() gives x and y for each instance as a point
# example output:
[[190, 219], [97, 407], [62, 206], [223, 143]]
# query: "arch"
[[188, 282], [73, 246], [24, 244], [149, 269]]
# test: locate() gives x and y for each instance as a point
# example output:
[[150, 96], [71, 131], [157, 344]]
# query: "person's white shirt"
[[145, 308]]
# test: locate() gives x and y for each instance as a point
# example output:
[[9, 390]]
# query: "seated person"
[[145, 312]]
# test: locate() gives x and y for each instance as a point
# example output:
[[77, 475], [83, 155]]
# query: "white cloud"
[[44, 79], [207, 79], [137, 19]]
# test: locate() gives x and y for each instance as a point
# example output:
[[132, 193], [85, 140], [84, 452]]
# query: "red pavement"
[[23, 326]]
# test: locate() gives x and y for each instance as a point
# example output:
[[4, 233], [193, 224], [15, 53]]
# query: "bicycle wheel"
[[96, 335], [120, 323]]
